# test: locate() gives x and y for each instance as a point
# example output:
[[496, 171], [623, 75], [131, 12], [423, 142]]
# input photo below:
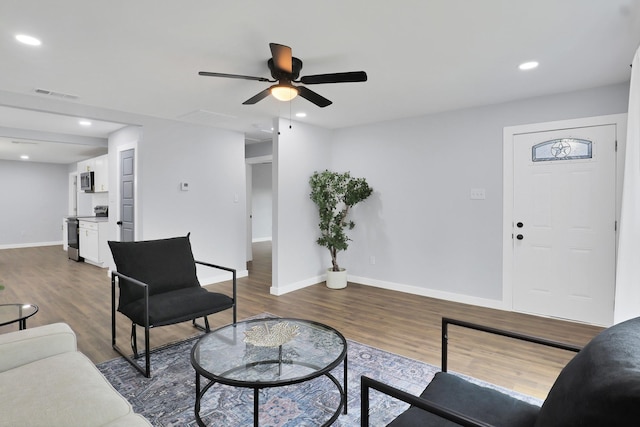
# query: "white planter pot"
[[336, 279]]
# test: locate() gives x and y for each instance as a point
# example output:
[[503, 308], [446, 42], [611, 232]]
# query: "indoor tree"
[[335, 194]]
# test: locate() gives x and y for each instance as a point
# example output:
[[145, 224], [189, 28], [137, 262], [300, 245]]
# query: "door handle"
[[519, 225], [119, 223], [519, 237]]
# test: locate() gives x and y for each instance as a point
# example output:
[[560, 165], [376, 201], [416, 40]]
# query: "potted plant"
[[335, 194]]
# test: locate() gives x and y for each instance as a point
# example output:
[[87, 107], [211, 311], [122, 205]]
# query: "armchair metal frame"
[[426, 405], [146, 370]]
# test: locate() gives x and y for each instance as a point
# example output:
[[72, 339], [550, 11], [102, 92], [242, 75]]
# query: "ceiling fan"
[[285, 69]]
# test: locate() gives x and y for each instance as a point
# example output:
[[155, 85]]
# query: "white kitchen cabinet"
[[101, 174], [100, 168], [87, 165], [65, 234], [93, 242]]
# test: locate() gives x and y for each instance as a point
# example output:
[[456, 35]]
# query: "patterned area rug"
[[167, 399]]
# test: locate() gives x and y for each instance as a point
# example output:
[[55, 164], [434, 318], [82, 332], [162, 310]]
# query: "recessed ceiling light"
[[29, 40], [301, 114], [528, 65], [24, 157], [85, 123]]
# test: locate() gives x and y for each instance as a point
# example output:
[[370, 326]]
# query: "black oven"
[[73, 238]]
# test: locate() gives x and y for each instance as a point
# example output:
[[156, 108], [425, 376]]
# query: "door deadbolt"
[[519, 225], [519, 237]]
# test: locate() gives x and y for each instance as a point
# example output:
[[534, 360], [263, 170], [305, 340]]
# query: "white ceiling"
[[47, 151], [51, 138], [421, 57]]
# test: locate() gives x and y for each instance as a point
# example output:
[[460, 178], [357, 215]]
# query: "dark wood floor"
[[79, 294]]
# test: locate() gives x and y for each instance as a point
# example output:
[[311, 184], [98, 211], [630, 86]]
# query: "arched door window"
[[562, 149]]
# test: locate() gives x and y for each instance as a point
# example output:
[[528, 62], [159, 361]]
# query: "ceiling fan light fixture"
[[284, 92]]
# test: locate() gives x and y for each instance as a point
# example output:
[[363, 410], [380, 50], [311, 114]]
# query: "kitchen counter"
[[94, 218]]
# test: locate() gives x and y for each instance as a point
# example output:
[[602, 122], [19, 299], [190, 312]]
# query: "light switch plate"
[[184, 186]]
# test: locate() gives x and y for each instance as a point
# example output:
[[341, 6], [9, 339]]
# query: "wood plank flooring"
[[79, 294]]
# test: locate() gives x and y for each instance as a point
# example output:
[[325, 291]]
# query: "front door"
[[564, 211]]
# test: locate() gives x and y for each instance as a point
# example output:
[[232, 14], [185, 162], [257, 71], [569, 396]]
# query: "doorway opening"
[[260, 218], [260, 266]]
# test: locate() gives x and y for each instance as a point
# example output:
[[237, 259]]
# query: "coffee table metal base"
[[342, 407]]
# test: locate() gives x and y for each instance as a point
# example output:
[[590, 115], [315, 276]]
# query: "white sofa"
[[46, 381]]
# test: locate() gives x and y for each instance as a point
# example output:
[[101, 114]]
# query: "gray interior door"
[[127, 179]]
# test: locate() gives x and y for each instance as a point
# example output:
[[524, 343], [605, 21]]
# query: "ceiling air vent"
[[55, 94]]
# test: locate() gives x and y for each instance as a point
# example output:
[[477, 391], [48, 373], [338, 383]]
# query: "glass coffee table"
[[270, 352], [11, 313]]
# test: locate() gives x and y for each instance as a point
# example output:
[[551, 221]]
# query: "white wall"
[[425, 233], [297, 153], [34, 202], [261, 201]]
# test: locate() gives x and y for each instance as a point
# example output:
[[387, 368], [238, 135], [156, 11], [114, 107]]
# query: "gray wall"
[[168, 152], [213, 210], [420, 225], [424, 232], [34, 201], [298, 152], [259, 149], [419, 232]]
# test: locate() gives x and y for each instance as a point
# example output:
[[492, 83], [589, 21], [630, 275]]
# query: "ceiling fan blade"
[[234, 76], [310, 95], [258, 97], [281, 57], [349, 77]]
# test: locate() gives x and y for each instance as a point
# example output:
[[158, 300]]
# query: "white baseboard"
[[97, 264], [281, 290], [408, 289], [210, 279], [261, 239], [30, 245], [431, 293]]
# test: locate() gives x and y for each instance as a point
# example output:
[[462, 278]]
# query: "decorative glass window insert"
[[562, 149]]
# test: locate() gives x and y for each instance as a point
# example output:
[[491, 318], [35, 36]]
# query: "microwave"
[[86, 181]]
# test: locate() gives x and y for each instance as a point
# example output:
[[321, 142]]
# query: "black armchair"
[[158, 286], [599, 386]]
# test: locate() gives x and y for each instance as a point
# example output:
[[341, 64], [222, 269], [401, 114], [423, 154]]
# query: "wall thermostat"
[[184, 186]]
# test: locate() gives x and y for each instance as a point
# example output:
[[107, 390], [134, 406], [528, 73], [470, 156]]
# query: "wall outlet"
[[478, 194]]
